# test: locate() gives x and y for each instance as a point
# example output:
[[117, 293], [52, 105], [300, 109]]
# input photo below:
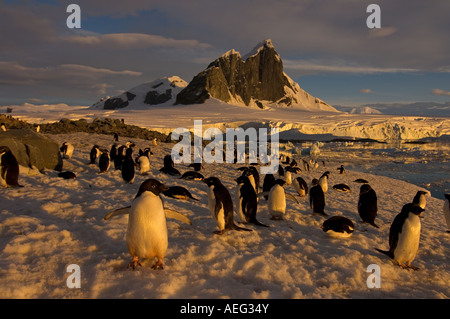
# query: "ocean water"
[[426, 165]]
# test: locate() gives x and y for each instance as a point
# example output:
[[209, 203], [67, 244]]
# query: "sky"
[[326, 46]]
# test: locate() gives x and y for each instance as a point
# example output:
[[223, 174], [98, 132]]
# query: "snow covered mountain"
[[159, 91], [255, 80]]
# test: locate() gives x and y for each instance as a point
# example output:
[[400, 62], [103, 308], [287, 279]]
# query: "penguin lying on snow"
[[190, 175], [221, 206], [338, 226], [404, 236], [342, 188], [67, 175], [179, 192], [147, 230]]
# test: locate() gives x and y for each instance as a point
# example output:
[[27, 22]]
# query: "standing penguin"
[[146, 235], [119, 156], [67, 150], [277, 200], [420, 199], [104, 162], [9, 168], [446, 210], [341, 169], [368, 204], [144, 164], [95, 152], [246, 201], [154, 142], [300, 186], [323, 181], [288, 175], [128, 171], [317, 199], [221, 205], [404, 236], [269, 181]]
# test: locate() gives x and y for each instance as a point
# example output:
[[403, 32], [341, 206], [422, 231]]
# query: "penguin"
[[115, 137], [178, 192], [287, 175], [154, 142], [293, 163], [341, 169], [368, 204], [113, 152], [67, 150], [252, 173], [338, 227], [104, 162], [144, 164], [197, 166], [146, 235], [196, 176], [342, 188], [95, 152], [277, 200], [323, 181], [246, 203], [280, 171], [67, 175], [317, 199], [420, 199], [446, 210], [305, 166], [221, 206], [269, 181], [9, 168], [128, 171], [404, 236], [3, 127], [119, 157], [169, 167], [300, 186], [361, 181]]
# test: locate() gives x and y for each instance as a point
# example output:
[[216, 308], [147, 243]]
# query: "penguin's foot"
[[134, 262], [219, 232], [159, 264], [408, 266]]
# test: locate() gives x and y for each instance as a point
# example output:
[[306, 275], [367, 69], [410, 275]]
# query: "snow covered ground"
[[52, 223]]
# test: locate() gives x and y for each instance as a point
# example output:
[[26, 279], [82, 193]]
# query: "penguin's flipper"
[[388, 253], [116, 212], [292, 197], [176, 215]]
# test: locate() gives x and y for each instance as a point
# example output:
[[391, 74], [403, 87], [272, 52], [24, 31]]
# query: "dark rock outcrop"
[[255, 80], [32, 149]]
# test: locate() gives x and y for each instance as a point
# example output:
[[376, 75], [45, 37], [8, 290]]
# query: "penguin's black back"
[[368, 204], [317, 199]]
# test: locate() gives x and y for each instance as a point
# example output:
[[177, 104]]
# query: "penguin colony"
[[147, 239]]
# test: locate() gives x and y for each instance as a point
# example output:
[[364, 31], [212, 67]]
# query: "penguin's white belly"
[[277, 201], [288, 178], [324, 184], [408, 240], [144, 165], [147, 229], [220, 216], [238, 205]]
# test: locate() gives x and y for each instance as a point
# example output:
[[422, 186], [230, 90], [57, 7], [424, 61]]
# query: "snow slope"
[[52, 223]]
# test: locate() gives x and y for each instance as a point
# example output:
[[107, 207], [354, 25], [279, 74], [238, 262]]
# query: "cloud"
[[133, 41], [365, 91], [13, 73], [314, 67], [440, 92]]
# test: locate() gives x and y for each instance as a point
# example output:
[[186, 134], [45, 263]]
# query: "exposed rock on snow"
[[163, 90], [257, 80]]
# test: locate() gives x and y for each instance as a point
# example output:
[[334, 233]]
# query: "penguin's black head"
[[280, 182], [152, 185], [413, 208], [327, 173], [4, 149], [242, 180], [421, 193], [212, 181], [315, 182], [365, 188], [129, 152]]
